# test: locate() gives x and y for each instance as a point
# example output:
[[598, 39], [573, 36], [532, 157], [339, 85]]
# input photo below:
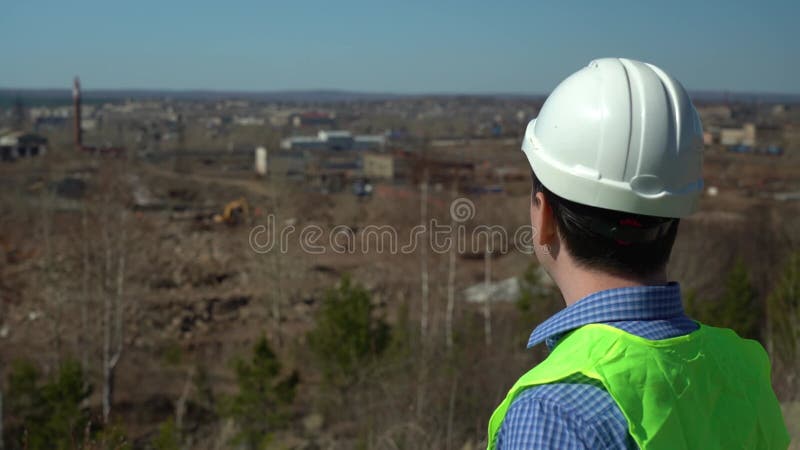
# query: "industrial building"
[[20, 144], [334, 140], [378, 166], [746, 135]]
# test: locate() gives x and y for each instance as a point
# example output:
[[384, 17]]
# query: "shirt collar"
[[656, 302]]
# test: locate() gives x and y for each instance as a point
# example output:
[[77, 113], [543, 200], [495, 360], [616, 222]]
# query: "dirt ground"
[[197, 294]]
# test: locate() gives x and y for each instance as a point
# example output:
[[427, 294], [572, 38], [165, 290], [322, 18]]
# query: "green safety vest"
[[709, 389]]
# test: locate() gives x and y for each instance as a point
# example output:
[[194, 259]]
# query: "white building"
[[261, 161], [249, 121], [746, 135], [334, 140]]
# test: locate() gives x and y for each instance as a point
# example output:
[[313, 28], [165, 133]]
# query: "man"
[[616, 158]]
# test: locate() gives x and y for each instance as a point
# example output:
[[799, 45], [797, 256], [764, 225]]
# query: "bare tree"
[[52, 292], [487, 280], [180, 403], [277, 267], [277, 296], [423, 208], [424, 301], [451, 281], [451, 407], [784, 330], [113, 307], [83, 335]]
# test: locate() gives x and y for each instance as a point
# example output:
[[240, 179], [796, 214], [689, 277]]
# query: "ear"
[[542, 220]]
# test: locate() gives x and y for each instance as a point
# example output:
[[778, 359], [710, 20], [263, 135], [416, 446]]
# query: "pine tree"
[[536, 302], [49, 415], [261, 405], [347, 334], [168, 437], [738, 308]]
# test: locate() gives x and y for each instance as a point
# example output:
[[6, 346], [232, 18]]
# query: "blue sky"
[[402, 46]]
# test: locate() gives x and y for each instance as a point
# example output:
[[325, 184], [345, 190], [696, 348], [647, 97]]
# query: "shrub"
[[168, 437]]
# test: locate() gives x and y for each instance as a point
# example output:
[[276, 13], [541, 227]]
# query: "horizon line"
[[342, 91]]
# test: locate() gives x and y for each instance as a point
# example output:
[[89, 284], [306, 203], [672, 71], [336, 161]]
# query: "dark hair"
[[611, 241]]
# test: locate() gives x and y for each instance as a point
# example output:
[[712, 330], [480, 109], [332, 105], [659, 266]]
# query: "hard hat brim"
[[587, 186]]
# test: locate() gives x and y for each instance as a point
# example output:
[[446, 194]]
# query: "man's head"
[[616, 159], [585, 232]]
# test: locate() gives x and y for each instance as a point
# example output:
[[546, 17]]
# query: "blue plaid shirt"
[[578, 413]]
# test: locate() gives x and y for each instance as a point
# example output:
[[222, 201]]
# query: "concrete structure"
[[746, 135], [378, 166], [501, 291], [22, 145], [261, 161], [507, 290], [80, 124]]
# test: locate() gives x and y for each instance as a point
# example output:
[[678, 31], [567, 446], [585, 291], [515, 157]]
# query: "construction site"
[[127, 245]]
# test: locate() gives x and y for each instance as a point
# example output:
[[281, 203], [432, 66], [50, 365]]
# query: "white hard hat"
[[622, 135]]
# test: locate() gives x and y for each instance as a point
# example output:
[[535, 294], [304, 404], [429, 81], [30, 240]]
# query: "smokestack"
[[76, 100]]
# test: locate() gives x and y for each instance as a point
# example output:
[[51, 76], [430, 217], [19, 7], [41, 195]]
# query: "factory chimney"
[[76, 99]]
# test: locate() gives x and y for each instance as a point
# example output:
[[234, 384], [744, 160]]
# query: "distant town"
[[335, 140]]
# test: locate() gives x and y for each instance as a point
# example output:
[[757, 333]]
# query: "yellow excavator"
[[235, 212]]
